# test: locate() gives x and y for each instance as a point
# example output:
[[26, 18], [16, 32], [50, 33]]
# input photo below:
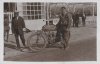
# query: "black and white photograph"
[[50, 31]]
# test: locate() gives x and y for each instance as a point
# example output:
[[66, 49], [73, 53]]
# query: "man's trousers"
[[19, 33]]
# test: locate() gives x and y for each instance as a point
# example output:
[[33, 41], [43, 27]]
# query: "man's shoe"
[[66, 48], [58, 44], [25, 46], [18, 49], [25, 50]]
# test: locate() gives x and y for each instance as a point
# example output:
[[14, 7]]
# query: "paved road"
[[83, 50]]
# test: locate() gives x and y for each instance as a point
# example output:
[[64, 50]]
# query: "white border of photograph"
[[65, 62]]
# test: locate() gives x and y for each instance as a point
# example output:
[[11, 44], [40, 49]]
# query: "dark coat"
[[6, 24], [77, 18], [63, 27], [17, 24], [83, 17], [73, 16], [64, 21]]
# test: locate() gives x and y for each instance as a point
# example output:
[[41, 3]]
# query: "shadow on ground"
[[10, 45]]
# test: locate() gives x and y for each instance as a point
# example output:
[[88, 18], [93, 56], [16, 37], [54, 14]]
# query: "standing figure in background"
[[83, 19], [18, 26], [6, 27], [73, 17], [77, 19]]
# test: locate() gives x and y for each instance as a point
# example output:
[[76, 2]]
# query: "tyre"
[[36, 42]]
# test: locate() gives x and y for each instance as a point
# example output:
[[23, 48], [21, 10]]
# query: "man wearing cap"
[[18, 26], [63, 27]]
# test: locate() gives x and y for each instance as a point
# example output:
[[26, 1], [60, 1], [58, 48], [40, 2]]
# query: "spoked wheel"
[[36, 42]]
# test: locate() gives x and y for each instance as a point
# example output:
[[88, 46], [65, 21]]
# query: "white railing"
[[91, 20]]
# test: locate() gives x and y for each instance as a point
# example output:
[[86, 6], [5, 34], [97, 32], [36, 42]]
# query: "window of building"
[[10, 7], [33, 10]]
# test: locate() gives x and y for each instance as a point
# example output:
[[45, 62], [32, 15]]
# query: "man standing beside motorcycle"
[[63, 27]]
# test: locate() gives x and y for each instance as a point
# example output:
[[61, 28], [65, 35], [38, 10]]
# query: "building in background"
[[36, 13], [33, 13]]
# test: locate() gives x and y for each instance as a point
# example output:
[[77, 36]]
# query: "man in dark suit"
[[77, 19], [18, 26], [83, 19]]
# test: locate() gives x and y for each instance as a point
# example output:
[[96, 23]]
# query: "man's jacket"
[[6, 24], [65, 21], [17, 23]]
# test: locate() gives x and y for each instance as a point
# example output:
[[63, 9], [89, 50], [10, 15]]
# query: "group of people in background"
[[77, 18]]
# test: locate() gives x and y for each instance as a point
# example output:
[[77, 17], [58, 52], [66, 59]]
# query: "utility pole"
[[46, 13], [74, 7], [83, 8], [93, 9], [49, 10]]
